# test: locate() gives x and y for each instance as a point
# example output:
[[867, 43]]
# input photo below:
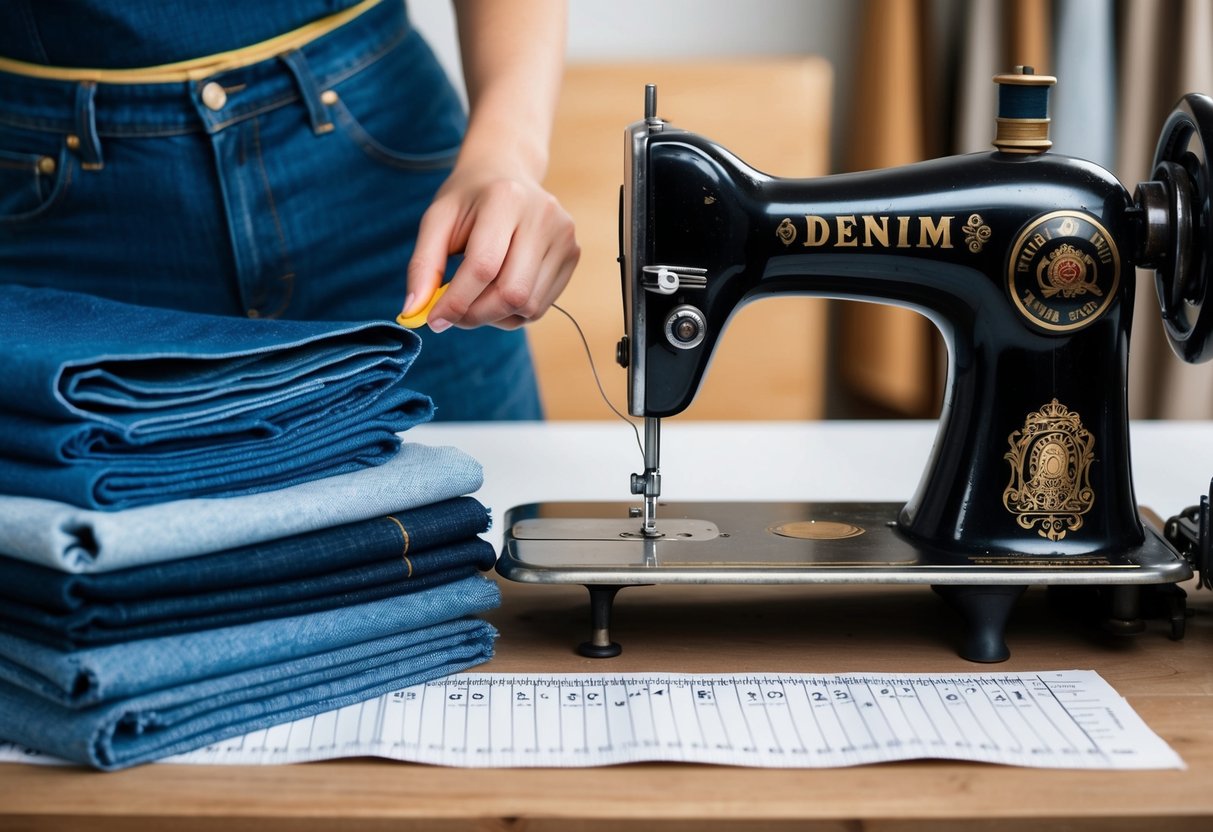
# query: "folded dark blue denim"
[[108, 405], [76, 631], [95, 624], [146, 727], [85, 677], [77, 540], [398, 538]]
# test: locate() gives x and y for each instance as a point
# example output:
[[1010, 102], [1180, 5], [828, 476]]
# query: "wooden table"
[[791, 629]]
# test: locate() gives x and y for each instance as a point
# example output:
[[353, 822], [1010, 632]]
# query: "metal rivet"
[[214, 96], [46, 165], [328, 98], [73, 141]]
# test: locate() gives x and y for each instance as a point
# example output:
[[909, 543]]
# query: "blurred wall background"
[[660, 30], [912, 81]]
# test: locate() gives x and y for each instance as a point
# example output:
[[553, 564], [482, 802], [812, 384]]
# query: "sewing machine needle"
[[652, 474]]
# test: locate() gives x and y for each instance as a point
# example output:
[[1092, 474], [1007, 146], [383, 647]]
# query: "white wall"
[[650, 30]]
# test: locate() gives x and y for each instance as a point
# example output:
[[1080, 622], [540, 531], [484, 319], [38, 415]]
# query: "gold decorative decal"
[[868, 231], [1050, 488], [786, 231], [1064, 271], [977, 233]]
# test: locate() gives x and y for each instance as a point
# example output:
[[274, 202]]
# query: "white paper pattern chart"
[[1056, 719], [1070, 719]]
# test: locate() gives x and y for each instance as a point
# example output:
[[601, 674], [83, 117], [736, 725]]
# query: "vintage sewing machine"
[[1024, 260]]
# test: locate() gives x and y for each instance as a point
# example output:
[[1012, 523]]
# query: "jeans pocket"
[[34, 172], [380, 151], [401, 109]]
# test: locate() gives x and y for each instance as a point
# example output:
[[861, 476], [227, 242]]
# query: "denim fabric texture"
[[85, 677], [158, 615], [155, 404], [297, 197], [422, 535], [146, 727], [151, 373], [114, 623], [76, 540]]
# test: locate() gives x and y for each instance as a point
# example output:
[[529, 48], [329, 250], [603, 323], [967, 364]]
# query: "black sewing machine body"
[[1024, 260], [899, 236]]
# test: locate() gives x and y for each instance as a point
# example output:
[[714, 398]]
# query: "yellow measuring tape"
[[194, 68]]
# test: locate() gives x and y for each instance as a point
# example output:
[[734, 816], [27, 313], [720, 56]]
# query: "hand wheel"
[[1179, 221]]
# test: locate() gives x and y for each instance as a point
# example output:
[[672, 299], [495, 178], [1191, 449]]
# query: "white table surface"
[[826, 460]]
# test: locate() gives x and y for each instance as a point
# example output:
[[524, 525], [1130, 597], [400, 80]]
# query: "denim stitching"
[[368, 59], [373, 148], [254, 111], [133, 130], [289, 276], [61, 186], [404, 552], [323, 83]]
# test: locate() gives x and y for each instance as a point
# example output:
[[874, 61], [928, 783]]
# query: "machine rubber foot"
[[986, 610], [600, 646]]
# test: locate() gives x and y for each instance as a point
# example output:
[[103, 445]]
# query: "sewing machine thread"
[[597, 379], [1023, 111]]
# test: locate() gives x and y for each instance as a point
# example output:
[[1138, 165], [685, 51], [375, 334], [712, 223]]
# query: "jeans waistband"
[[88, 109]]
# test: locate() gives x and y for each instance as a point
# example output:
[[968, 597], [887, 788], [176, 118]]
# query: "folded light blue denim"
[[110, 405], [142, 728], [400, 538], [94, 624], [89, 676], [72, 539]]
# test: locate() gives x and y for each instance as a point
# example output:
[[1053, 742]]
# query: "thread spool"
[[1022, 125]]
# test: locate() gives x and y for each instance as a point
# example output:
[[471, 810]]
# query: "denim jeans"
[[247, 652], [76, 540], [145, 727], [417, 540], [153, 404], [298, 197]]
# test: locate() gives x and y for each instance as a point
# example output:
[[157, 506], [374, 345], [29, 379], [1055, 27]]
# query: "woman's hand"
[[517, 242], [518, 245]]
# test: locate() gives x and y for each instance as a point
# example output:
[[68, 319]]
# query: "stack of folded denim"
[[211, 526], [109, 406]]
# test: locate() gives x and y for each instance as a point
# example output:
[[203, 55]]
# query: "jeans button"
[[214, 96]]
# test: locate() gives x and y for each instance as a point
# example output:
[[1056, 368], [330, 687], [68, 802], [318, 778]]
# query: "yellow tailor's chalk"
[[419, 318]]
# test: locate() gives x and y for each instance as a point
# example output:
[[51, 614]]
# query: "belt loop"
[[86, 142], [318, 102]]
